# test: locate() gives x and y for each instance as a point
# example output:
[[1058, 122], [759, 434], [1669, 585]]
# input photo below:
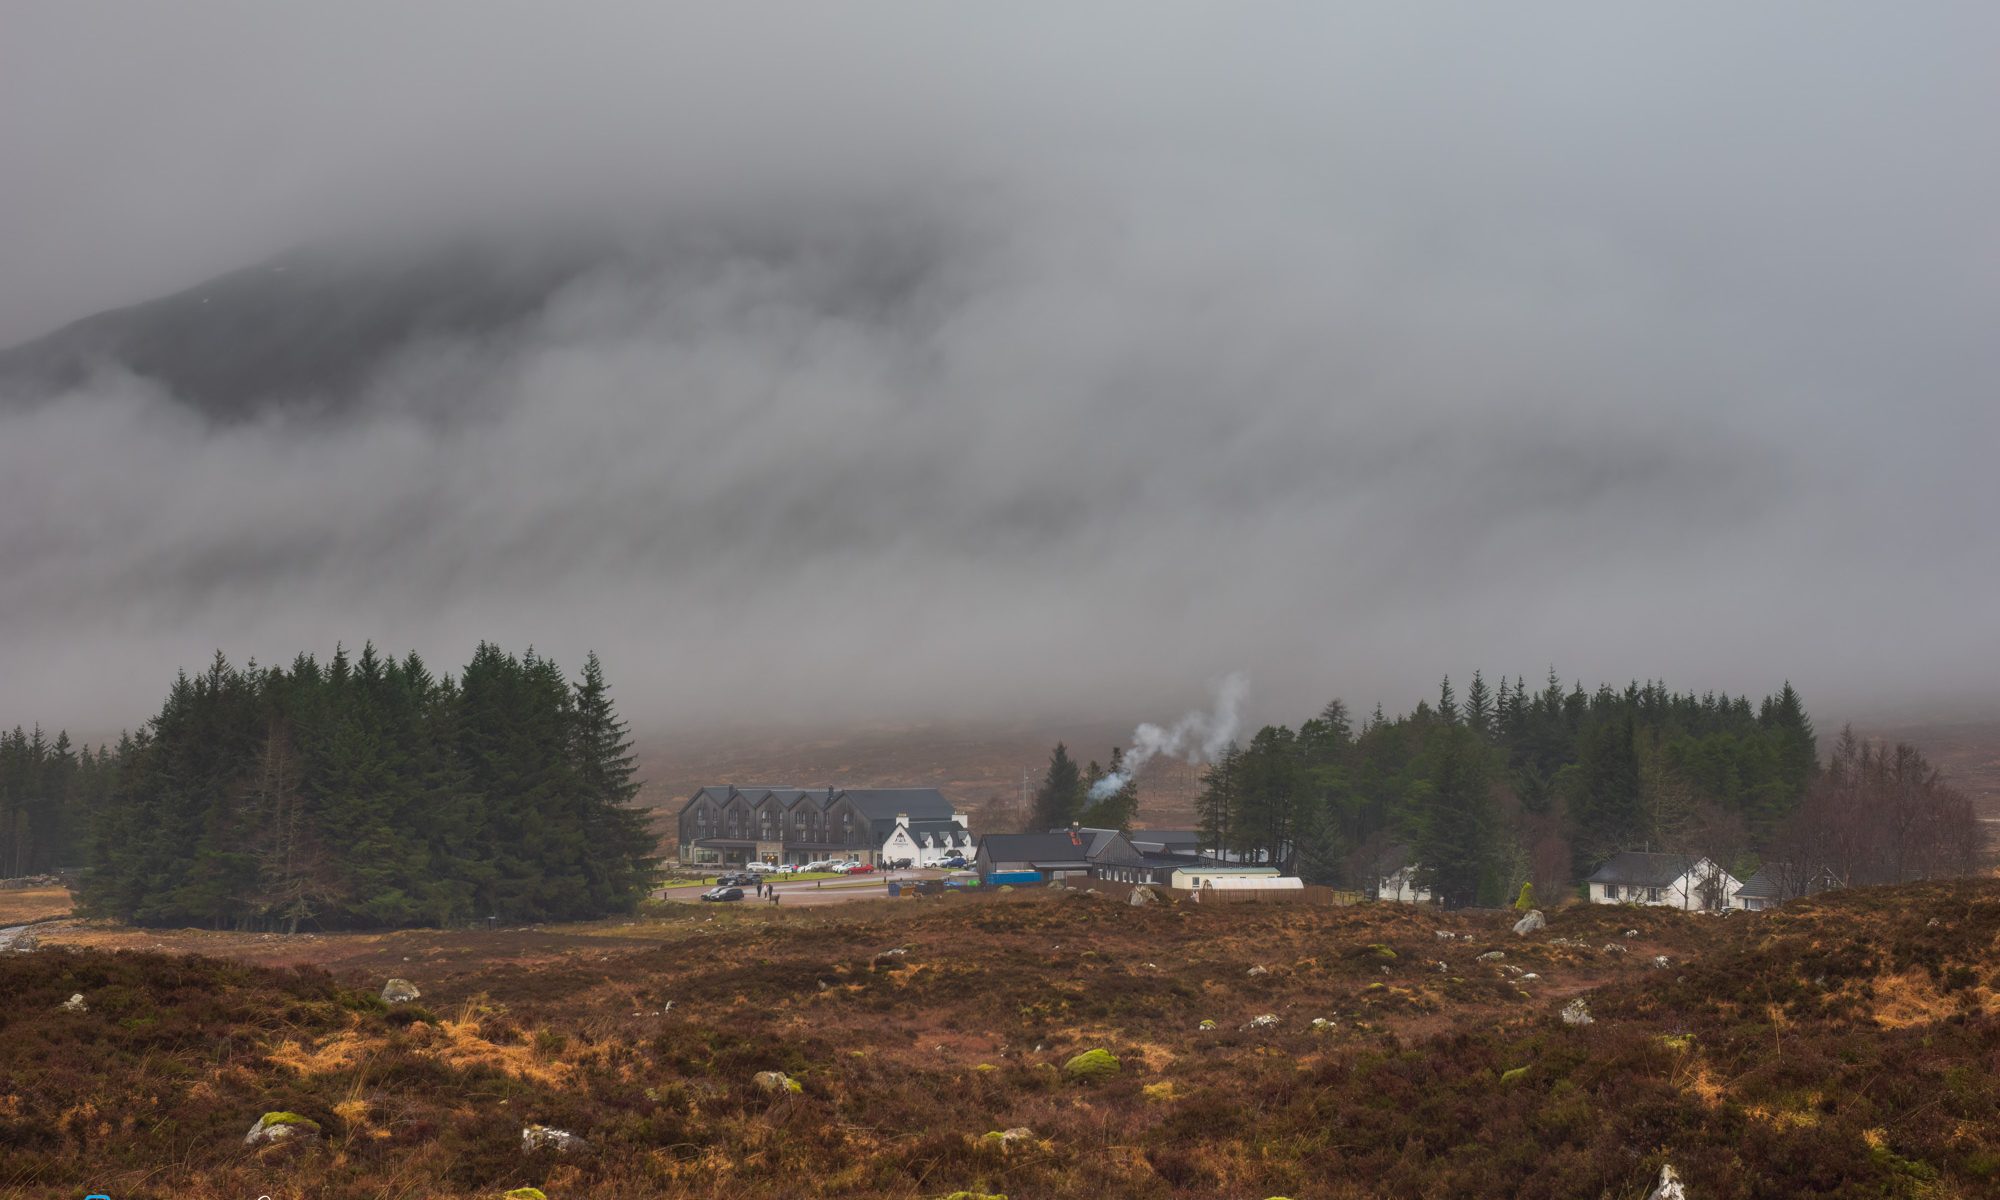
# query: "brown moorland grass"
[[19, 905], [1841, 1047]]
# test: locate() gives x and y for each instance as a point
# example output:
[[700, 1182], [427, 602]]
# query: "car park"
[[723, 893]]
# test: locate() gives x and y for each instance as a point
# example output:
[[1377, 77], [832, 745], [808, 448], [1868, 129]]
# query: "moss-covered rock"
[[1513, 1075], [275, 1127], [777, 1083], [525, 1193], [1092, 1064]]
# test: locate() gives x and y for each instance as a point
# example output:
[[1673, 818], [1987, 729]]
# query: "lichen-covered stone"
[[399, 991], [541, 1137], [777, 1083]]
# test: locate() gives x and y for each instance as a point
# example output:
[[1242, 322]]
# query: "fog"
[[1016, 361]]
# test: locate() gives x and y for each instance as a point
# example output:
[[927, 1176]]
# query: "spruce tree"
[[1055, 803]]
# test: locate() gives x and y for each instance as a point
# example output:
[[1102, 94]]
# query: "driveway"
[[819, 891]]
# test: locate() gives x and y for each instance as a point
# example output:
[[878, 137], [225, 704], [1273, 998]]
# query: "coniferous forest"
[[1516, 784], [360, 792]]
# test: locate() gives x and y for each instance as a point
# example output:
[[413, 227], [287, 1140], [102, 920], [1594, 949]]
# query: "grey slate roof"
[[1639, 869], [1169, 841], [1045, 848], [874, 804], [1776, 881]]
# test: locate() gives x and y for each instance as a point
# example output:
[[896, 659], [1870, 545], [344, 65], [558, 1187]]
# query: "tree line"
[[362, 792], [1541, 784]]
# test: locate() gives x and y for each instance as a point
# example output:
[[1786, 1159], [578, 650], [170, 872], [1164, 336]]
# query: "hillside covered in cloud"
[[1076, 378]]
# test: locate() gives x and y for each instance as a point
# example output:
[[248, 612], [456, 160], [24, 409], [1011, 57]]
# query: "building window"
[[1653, 894], [1610, 891]]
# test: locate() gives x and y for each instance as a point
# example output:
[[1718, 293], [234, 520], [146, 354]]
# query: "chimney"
[[903, 819]]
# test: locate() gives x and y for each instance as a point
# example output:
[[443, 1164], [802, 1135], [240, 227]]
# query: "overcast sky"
[[1114, 348]]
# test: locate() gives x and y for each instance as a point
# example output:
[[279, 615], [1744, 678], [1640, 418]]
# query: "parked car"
[[898, 864], [761, 868], [738, 879], [862, 869], [818, 864], [723, 893]]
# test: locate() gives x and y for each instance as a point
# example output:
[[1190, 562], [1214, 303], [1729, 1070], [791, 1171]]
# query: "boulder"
[[1662, 961], [1493, 956], [1255, 971], [1141, 896], [1206, 1024], [1614, 947], [1576, 1012], [1631, 933], [1008, 1139], [399, 991], [1669, 1186], [76, 1004], [1321, 1024], [1092, 1064], [1265, 1021], [777, 1083], [1530, 923], [541, 1137], [275, 1127], [524, 1193]]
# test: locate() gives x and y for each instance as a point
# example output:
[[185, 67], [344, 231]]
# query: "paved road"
[[820, 891]]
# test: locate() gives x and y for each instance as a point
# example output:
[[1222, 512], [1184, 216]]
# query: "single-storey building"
[[1393, 874], [1231, 878], [1049, 857], [726, 825], [1687, 881], [1776, 882]]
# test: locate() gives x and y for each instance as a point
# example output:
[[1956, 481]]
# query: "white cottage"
[[1400, 887], [1687, 881]]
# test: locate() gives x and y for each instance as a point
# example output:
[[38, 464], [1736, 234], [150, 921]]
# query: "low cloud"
[[964, 425]]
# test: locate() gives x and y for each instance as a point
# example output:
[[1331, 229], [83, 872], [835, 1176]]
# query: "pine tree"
[[1479, 707], [1056, 801], [1116, 810], [622, 862], [1216, 808], [1456, 827]]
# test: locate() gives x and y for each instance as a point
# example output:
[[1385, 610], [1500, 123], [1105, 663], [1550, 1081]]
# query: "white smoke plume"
[[1198, 737]]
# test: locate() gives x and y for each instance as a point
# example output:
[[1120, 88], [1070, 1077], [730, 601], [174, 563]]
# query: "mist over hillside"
[[905, 389]]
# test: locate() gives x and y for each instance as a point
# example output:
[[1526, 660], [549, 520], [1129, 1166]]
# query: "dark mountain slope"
[[301, 331]]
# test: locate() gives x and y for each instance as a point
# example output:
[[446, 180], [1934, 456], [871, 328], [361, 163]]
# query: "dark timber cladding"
[[728, 825]]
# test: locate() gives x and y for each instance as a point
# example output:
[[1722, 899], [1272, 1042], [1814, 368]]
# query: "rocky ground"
[[1845, 1047]]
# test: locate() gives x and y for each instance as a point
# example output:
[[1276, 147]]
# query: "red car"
[[863, 869]]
